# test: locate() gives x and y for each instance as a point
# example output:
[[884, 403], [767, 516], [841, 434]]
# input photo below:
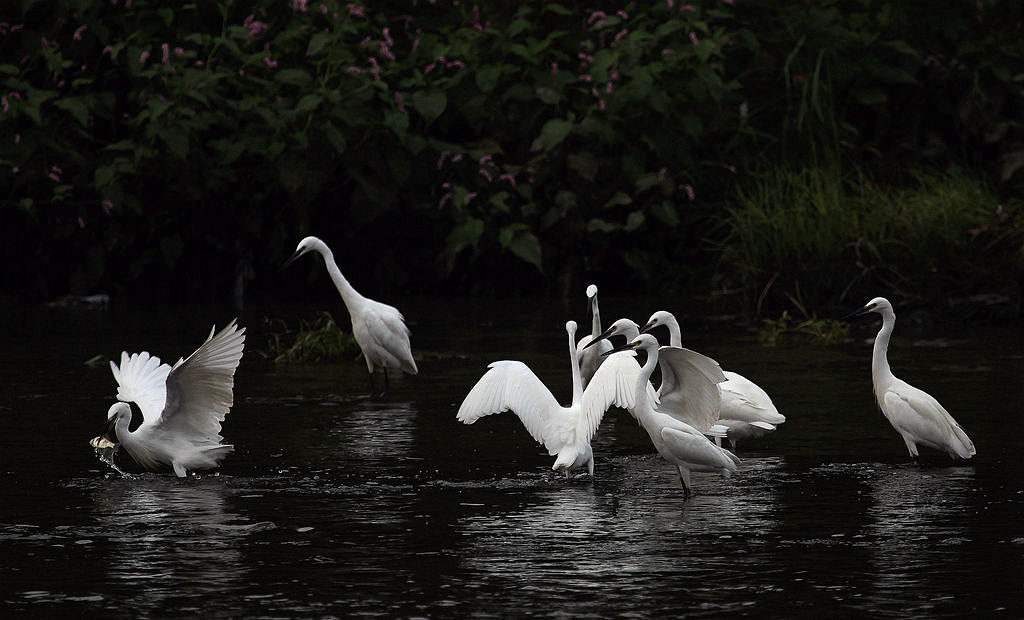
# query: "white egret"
[[182, 406], [677, 442], [689, 382], [591, 357], [564, 431], [914, 413], [379, 329], [746, 409]]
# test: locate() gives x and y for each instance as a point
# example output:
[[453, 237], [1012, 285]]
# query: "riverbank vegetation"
[[823, 151]]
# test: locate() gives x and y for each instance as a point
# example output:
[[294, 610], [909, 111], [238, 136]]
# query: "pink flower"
[[667, 52], [469, 196], [554, 68], [299, 5], [81, 222], [586, 78], [444, 199], [621, 34], [486, 174], [4, 104], [15, 170], [508, 177], [415, 45], [17, 138], [458, 64], [670, 3], [78, 32], [179, 51], [355, 70], [608, 87], [689, 191], [486, 159], [54, 177], [166, 53], [356, 11], [456, 157], [267, 60], [143, 57], [108, 206], [387, 36], [729, 2], [600, 104], [687, 8], [595, 16], [622, 14], [693, 37], [429, 68], [440, 161], [254, 27]]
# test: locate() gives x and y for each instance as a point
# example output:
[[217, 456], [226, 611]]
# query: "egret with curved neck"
[[746, 410], [591, 358], [914, 413], [677, 442], [379, 329]]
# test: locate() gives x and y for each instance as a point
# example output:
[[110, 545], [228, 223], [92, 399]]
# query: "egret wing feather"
[[200, 388], [742, 399], [917, 413], [689, 388], [614, 383], [512, 386], [141, 379]]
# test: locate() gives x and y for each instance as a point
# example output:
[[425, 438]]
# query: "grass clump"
[[813, 329], [844, 236], [318, 340]]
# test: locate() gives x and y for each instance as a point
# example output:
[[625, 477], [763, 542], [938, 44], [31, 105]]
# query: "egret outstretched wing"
[[512, 386], [141, 379], [199, 389], [689, 386], [614, 383]]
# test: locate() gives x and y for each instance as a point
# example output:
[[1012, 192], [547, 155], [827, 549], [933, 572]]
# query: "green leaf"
[[430, 105], [335, 137], [104, 175], [176, 141], [634, 220], [487, 78], [521, 242], [308, 103], [318, 42], [294, 77], [598, 225], [466, 234], [76, 107], [551, 135], [620, 198], [585, 164]]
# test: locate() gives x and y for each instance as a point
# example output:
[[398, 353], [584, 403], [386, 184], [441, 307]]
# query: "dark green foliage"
[[476, 148], [318, 340]]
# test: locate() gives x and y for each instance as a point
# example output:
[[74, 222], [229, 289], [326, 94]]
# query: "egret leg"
[[387, 387], [684, 478]]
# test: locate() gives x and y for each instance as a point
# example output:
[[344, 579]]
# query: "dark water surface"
[[338, 505]]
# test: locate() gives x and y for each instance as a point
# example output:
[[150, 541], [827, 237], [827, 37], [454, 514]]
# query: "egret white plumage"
[[379, 329], [182, 406], [677, 442], [914, 413], [564, 431], [591, 357], [746, 409], [689, 381]]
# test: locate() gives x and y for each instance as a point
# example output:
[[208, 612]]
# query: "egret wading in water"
[[747, 410], [677, 442], [689, 382], [564, 431], [914, 413], [591, 358], [379, 329], [182, 406]]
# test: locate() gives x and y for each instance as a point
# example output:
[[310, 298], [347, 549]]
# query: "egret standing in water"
[[746, 409], [677, 442], [379, 329], [564, 431], [182, 406], [591, 358], [914, 413]]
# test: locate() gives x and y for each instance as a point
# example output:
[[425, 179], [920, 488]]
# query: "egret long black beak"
[[859, 313], [109, 433], [629, 346], [291, 260], [646, 328], [604, 336]]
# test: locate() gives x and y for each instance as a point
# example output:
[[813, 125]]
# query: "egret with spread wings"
[[565, 431], [182, 406]]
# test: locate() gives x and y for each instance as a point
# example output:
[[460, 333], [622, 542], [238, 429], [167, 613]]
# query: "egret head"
[[880, 305], [643, 341], [570, 327], [117, 411], [661, 317], [308, 244], [621, 327], [591, 291]]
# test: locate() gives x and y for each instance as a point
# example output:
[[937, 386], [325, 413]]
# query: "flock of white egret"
[[696, 405]]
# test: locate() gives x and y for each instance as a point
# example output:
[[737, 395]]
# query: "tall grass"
[[821, 236]]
